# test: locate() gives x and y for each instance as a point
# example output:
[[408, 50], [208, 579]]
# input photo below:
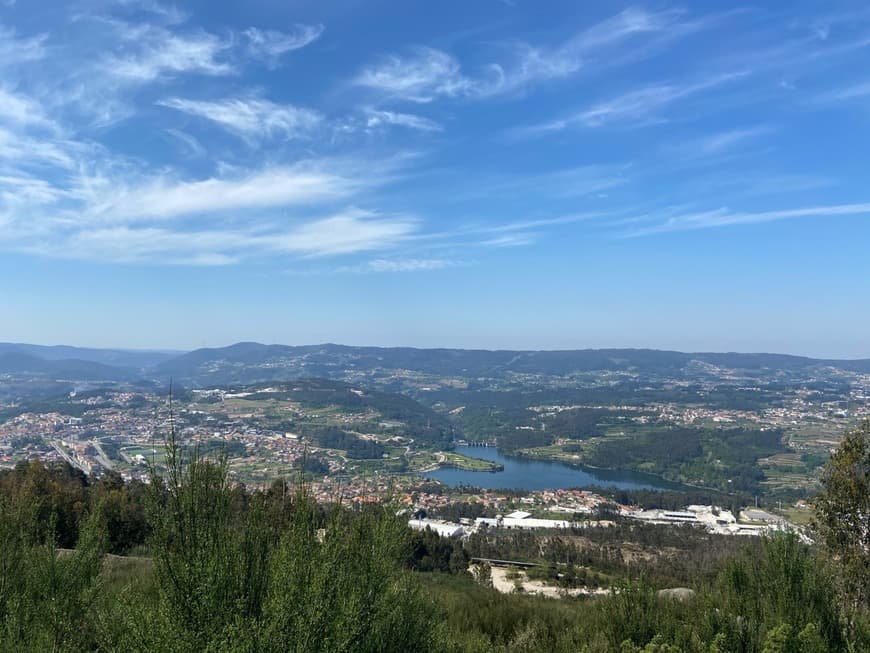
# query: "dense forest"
[[219, 568], [356, 448]]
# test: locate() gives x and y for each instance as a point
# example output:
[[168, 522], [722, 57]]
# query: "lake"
[[521, 473]]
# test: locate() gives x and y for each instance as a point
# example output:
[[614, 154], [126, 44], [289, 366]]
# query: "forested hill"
[[421, 422], [248, 362], [12, 363]]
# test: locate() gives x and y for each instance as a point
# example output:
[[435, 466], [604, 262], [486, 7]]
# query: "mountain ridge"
[[247, 362]]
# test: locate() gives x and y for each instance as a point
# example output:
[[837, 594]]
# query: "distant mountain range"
[[115, 357], [249, 362], [69, 368]]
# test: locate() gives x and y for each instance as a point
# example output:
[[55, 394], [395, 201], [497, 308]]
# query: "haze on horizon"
[[686, 176]]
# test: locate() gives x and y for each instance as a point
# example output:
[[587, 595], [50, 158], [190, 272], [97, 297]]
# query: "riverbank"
[[536, 474], [543, 454], [458, 461]]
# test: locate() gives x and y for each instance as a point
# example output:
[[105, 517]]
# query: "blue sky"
[[494, 174]]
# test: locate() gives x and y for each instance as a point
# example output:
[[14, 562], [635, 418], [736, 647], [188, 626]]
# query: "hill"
[[14, 363], [138, 359], [250, 362]]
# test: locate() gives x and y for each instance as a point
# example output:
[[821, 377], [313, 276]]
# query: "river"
[[525, 474]]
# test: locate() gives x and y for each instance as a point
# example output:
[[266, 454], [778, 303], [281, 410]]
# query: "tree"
[[235, 573], [843, 511], [46, 595]]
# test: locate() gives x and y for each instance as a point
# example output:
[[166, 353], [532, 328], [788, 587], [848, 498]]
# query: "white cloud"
[[15, 51], [376, 118], [22, 110], [146, 244], [860, 90], [562, 183], [727, 140], [26, 190], [353, 231], [510, 240], [725, 217], [18, 149], [383, 265], [627, 23], [349, 232], [251, 118], [164, 198], [269, 45], [190, 145], [636, 107], [717, 143], [154, 52], [420, 77], [169, 14], [427, 73], [410, 264]]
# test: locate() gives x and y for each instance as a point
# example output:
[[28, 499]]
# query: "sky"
[[509, 174]]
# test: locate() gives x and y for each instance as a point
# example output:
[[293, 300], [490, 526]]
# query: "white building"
[[442, 528]]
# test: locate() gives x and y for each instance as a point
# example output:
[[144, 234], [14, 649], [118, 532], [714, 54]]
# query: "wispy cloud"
[[561, 183], [419, 77], [169, 14], [717, 143], [20, 150], [725, 217], [189, 143], [353, 231], [377, 118], [15, 51], [861, 90], [411, 264], [151, 52], [628, 23], [726, 140], [392, 265], [350, 232], [83, 203], [510, 240], [22, 110], [270, 45], [636, 107], [163, 197], [426, 73], [251, 118]]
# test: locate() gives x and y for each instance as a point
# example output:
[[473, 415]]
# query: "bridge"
[[506, 563]]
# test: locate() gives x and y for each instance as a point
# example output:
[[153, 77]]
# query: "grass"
[[467, 463]]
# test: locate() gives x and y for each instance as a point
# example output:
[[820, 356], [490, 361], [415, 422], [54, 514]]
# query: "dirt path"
[[503, 584]]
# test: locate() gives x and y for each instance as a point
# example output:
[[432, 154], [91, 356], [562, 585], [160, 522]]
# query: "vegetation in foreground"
[[228, 570]]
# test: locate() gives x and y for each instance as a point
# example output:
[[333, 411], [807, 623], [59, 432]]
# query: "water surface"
[[524, 474]]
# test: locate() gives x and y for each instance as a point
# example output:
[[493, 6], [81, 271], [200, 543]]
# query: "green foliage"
[[341, 589], [45, 593], [247, 573], [843, 511], [722, 458], [775, 596], [510, 441], [356, 448], [235, 571]]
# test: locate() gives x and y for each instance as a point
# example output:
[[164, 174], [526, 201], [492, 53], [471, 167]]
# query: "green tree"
[[46, 594], [229, 581], [843, 511], [767, 600]]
